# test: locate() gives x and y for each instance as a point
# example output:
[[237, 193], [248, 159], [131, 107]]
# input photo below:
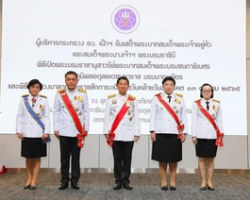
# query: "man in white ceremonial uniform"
[[65, 127], [122, 133]]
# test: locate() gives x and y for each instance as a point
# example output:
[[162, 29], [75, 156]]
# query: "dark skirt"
[[167, 148], [206, 148], [33, 148]]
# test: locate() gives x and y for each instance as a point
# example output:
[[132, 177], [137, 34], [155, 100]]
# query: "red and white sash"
[[180, 126], [82, 133], [219, 141], [117, 120]]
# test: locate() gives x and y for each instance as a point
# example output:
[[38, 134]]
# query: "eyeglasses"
[[206, 91]]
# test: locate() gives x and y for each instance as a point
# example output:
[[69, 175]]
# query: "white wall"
[[96, 154]]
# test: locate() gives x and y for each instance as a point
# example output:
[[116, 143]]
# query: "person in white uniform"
[[31, 133], [126, 132], [204, 135], [167, 108], [65, 128]]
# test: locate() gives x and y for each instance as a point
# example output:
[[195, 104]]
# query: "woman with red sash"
[[168, 128], [207, 133], [33, 127]]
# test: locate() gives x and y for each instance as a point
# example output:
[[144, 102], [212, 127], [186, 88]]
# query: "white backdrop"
[[194, 41]]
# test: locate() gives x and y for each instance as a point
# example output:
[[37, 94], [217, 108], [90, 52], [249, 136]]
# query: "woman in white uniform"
[[206, 118], [168, 128], [33, 127]]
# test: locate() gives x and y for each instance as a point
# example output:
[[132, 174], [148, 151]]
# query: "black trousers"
[[69, 148], [122, 153]]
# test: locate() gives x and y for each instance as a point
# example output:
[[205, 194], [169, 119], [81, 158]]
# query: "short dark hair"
[[122, 78], [71, 72], [34, 82], [168, 78], [206, 84]]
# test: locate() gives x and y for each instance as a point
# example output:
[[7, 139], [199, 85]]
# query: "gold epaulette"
[[197, 100], [25, 95], [61, 89], [111, 96], [43, 96], [131, 96], [82, 90], [216, 100], [179, 95]]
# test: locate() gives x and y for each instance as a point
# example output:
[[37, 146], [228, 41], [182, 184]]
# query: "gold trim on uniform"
[[61, 89], [41, 106], [216, 100], [177, 100], [127, 103], [132, 97], [129, 112], [25, 95], [43, 96], [82, 90], [111, 96], [78, 98], [215, 107], [179, 95]]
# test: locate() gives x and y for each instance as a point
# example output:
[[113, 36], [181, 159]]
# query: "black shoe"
[[75, 186], [164, 187], [63, 186], [33, 187], [118, 186], [127, 186], [203, 188], [172, 188], [26, 187], [210, 188]]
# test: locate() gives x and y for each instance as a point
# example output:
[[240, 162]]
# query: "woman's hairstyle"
[[206, 84], [34, 82]]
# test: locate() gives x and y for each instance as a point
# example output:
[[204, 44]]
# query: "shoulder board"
[[60, 90], [197, 100], [43, 96], [157, 94], [216, 100], [111, 96], [25, 95], [131, 96], [82, 90], [179, 95]]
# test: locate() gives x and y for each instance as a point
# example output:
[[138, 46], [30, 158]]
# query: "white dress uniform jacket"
[[161, 121], [129, 125], [201, 127], [25, 123], [62, 119]]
